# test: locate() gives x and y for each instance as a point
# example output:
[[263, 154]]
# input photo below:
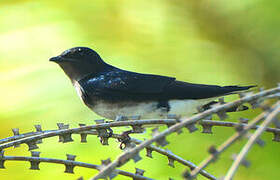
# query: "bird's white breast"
[[148, 110], [78, 89]]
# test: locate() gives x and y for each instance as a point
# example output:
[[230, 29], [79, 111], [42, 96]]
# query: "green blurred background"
[[215, 42]]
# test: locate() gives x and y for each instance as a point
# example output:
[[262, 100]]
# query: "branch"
[[251, 141], [116, 136], [228, 143], [123, 158], [69, 165], [30, 137]]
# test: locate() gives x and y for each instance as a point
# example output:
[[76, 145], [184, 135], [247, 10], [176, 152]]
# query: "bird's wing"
[[184, 90], [125, 85]]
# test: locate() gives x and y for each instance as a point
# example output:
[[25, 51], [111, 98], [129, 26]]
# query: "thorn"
[[139, 171], [136, 157], [210, 117], [206, 128], [104, 163], [2, 166], [121, 118], [179, 131], [68, 167], [71, 157], [245, 162], [60, 126], [222, 115], [276, 136], [34, 165], [171, 162], [149, 152], [16, 133], [277, 123], [222, 100], [64, 137], [2, 153], [103, 134], [191, 127], [244, 120], [38, 129], [99, 121], [35, 153], [162, 141], [83, 135], [32, 145], [256, 103], [259, 141], [187, 175], [239, 128], [138, 129], [212, 150], [199, 109]]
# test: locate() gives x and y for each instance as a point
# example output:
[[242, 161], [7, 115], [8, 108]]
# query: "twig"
[[165, 153], [168, 122], [153, 148], [177, 158], [251, 142], [123, 158], [228, 143], [69, 163], [47, 134]]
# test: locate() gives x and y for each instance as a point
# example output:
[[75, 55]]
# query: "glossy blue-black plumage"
[[101, 81], [117, 85]]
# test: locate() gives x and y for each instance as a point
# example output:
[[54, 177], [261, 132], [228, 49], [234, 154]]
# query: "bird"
[[112, 92]]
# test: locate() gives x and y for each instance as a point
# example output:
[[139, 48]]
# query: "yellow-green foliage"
[[214, 42]]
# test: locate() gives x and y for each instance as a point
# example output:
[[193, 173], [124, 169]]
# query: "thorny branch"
[[228, 143], [69, 165], [151, 148], [270, 118], [126, 156]]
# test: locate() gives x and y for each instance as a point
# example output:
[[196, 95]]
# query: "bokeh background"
[[215, 42]]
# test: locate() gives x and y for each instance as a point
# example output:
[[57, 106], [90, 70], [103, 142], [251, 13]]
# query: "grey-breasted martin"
[[111, 92]]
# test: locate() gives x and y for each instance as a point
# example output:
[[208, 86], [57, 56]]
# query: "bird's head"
[[78, 62]]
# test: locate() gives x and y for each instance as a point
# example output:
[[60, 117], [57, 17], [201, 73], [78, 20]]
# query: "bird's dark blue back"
[[117, 85]]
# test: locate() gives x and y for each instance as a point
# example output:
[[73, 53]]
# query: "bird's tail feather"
[[237, 89]]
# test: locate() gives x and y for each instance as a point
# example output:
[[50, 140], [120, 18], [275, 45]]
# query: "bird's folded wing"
[[125, 84], [129, 85]]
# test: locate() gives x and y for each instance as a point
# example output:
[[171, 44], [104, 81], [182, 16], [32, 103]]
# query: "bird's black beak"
[[56, 59], [60, 59]]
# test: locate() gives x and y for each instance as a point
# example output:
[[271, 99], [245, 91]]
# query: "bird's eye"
[[73, 54], [77, 53]]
